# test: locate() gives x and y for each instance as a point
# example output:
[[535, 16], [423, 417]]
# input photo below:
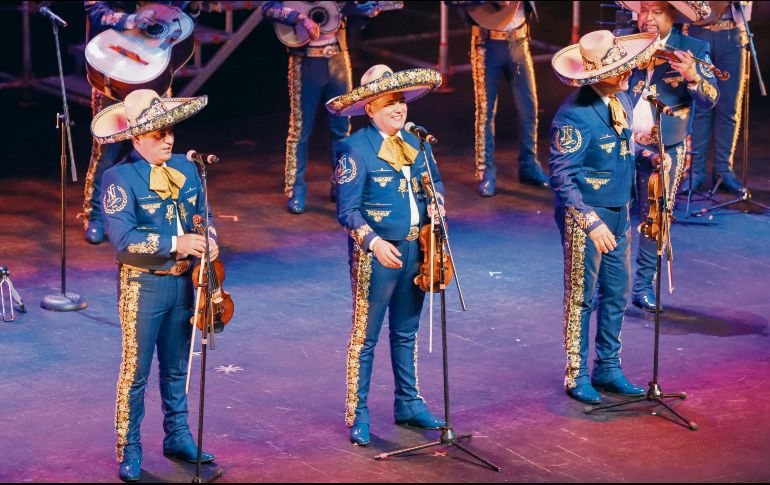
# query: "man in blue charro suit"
[[149, 202], [592, 175], [319, 70], [382, 205], [728, 39], [101, 16], [680, 85], [504, 51]]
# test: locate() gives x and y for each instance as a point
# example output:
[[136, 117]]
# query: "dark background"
[[247, 113]]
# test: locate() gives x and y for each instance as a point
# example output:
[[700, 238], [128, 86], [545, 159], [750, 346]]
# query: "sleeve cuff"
[[173, 244], [371, 243]]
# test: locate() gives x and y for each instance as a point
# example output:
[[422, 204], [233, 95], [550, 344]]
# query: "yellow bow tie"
[[166, 181], [397, 152], [618, 115]]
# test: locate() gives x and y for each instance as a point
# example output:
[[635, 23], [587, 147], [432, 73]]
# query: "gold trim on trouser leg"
[[680, 156], [361, 278], [128, 308], [738, 108], [416, 375], [96, 155], [478, 69], [349, 67], [295, 121], [574, 273], [531, 67]]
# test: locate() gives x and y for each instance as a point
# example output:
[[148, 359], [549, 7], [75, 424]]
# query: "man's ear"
[[368, 109]]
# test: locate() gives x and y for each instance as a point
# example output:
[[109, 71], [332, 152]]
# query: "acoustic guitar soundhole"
[[319, 15], [156, 30]]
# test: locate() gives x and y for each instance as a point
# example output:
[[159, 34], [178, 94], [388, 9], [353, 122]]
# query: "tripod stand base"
[[653, 395], [70, 302], [448, 438], [208, 478]]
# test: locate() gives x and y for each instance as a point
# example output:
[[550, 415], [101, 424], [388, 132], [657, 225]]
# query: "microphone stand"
[[63, 302], [448, 436], [654, 394], [745, 194], [206, 332]]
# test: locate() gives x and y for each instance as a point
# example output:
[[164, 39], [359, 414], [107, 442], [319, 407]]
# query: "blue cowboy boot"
[[423, 420], [359, 434], [130, 469], [618, 385], [487, 187], [531, 173], [585, 393]]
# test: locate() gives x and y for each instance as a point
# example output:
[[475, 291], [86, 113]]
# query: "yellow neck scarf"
[[166, 181], [618, 114], [397, 152]]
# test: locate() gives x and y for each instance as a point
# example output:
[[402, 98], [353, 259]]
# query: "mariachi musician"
[[592, 176], [725, 32], [318, 70], [382, 204], [149, 202], [500, 46], [101, 16], [681, 84]]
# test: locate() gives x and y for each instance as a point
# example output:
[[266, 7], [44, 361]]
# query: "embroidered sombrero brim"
[[568, 62], [414, 83], [686, 11], [111, 124]]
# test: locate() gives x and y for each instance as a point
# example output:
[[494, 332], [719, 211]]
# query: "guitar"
[[326, 14], [491, 16], [119, 62]]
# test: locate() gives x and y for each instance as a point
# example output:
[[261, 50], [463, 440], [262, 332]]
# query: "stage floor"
[[276, 382]]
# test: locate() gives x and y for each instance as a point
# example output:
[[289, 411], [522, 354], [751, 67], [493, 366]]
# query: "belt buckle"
[[328, 51], [414, 233]]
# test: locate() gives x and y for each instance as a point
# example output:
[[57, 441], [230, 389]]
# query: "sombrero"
[[686, 11], [600, 55], [380, 80], [143, 111]]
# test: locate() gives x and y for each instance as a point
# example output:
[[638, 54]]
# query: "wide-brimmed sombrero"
[[686, 11], [380, 80], [600, 55], [143, 111]]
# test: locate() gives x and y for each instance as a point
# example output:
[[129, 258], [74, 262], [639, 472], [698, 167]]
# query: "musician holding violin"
[[100, 17], [382, 204], [319, 69], [150, 202], [675, 78]]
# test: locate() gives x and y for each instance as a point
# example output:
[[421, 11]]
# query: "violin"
[[657, 225], [221, 302], [668, 53], [436, 260]]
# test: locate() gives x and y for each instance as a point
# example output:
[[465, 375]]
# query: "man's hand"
[[144, 18], [313, 30], [603, 239], [193, 244], [666, 162], [368, 9], [686, 66], [431, 212], [387, 254], [213, 249]]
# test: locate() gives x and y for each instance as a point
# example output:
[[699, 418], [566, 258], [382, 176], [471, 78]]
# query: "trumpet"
[[669, 53]]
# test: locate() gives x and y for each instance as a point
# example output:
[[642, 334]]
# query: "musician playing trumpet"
[[681, 85]]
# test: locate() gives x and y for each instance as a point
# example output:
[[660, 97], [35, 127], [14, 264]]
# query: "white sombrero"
[[686, 11], [600, 55], [143, 111], [380, 80]]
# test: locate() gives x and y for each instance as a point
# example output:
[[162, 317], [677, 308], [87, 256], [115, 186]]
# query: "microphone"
[[194, 156], [660, 105], [46, 12], [420, 133]]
